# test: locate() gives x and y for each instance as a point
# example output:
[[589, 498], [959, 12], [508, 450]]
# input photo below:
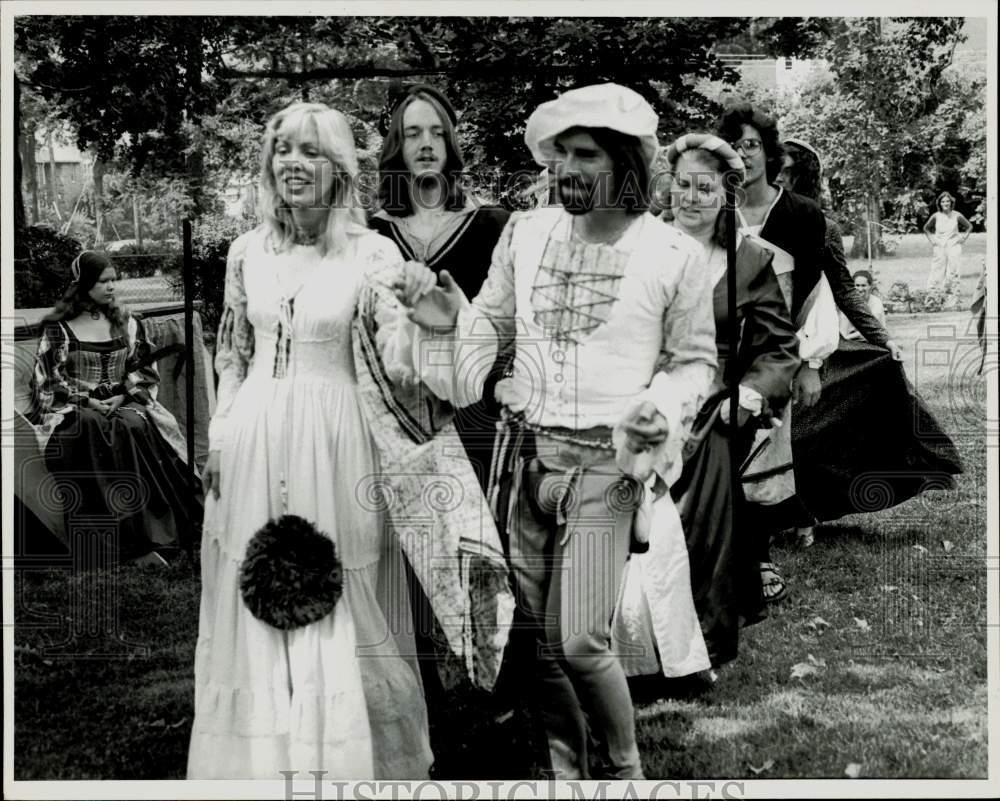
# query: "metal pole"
[[733, 333], [189, 367]]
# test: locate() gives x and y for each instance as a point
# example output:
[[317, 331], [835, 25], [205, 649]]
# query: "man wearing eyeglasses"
[[794, 229]]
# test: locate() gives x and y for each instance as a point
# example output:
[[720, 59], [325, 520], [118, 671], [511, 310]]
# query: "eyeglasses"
[[747, 147]]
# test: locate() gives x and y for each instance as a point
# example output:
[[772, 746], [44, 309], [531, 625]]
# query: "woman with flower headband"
[[309, 445], [95, 398], [724, 577]]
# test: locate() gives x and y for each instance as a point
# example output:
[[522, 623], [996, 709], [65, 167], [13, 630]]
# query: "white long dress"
[[335, 695]]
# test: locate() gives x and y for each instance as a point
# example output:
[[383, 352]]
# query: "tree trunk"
[[137, 221], [98, 200], [53, 198], [19, 221], [31, 169]]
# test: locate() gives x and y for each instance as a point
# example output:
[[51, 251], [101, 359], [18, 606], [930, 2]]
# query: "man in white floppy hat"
[[608, 313]]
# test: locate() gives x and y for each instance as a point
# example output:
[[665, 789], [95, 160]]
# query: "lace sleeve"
[[453, 366], [234, 344]]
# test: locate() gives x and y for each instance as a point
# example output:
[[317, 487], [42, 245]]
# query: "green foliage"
[[42, 257]]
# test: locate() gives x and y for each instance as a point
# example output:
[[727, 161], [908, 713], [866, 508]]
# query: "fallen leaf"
[[920, 548], [862, 624], [889, 588], [853, 770], [947, 545], [157, 723], [803, 669], [766, 766]]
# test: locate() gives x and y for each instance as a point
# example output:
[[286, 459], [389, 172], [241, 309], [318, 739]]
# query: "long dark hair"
[[394, 177], [806, 172], [87, 269], [630, 172], [744, 113]]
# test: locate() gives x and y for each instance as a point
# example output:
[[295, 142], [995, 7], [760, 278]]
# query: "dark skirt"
[[725, 579], [879, 442], [113, 471]]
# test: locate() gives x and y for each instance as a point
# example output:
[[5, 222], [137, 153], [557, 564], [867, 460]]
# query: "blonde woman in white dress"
[[290, 435]]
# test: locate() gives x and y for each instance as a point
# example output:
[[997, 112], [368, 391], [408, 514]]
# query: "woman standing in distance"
[[946, 230]]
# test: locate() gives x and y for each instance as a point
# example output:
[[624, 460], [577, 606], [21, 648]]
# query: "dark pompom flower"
[[290, 576]]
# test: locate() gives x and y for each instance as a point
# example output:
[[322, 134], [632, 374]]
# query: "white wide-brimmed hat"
[[602, 105]]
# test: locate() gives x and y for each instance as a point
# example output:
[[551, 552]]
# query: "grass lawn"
[[877, 658]]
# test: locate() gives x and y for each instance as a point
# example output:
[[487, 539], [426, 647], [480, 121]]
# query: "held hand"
[[414, 280], [210, 476], [807, 387], [645, 428], [436, 306], [111, 406], [97, 405], [895, 351]]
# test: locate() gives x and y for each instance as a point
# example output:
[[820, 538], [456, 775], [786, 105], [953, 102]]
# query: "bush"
[[42, 257], [211, 237], [157, 257]]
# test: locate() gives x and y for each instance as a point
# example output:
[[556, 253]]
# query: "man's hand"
[[429, 304], [645, 428], [742, 415], [807, 387]]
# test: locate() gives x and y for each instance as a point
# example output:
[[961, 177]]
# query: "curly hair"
[[743, 113], [76, 299]]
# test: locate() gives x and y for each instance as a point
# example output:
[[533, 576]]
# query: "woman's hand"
[[807, 387], [96, 405], [415, 279], [111, 405], [429, 305], [895, 351], [211, 480]]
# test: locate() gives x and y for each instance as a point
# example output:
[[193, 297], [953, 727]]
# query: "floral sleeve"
[[234, 344], [52, 388]]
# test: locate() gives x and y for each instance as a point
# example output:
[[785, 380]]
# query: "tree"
[[869, 114]]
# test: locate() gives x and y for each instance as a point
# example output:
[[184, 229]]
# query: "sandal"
[[805, 536], [772, 584]]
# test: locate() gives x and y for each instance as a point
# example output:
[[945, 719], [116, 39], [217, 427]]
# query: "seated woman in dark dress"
[[116, 454]]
